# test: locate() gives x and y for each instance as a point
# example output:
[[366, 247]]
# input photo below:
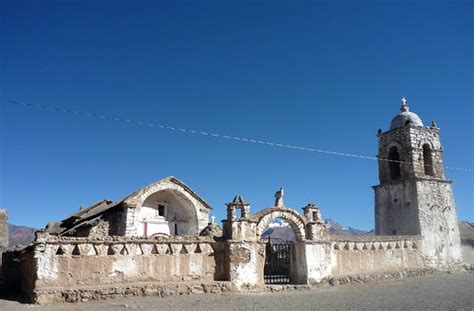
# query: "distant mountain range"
[[281, 231], [22, 235], [466, 230], [337, 229]]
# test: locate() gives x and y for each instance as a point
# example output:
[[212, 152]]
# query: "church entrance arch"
[[283, 230], [295, 221]]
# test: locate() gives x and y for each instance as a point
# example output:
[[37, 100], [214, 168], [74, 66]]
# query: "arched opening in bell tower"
[[428, 160], [394, 164]]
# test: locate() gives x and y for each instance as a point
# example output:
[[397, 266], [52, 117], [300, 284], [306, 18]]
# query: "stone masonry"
[[413, 197]]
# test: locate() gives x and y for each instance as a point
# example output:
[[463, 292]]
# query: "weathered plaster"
[[318, 261], [246, 261], [351, 255]]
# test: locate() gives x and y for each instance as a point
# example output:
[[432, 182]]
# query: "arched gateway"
[[243, 234], [281, 257], [296, 221]]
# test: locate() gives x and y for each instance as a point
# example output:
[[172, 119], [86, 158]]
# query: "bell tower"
[[414, 197]]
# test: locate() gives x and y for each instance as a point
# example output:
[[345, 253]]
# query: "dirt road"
[[434, 292]]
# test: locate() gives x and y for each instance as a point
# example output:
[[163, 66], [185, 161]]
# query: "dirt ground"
[[434, 292]]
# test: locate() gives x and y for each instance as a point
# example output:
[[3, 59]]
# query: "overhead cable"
[[222, 136]]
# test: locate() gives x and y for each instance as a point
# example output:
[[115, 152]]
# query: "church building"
[[158, 241]]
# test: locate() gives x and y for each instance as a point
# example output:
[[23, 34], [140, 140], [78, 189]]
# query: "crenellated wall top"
[[44, 237], [375, 243], [374, 238]]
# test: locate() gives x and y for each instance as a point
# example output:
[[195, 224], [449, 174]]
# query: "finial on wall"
[[279, 198]]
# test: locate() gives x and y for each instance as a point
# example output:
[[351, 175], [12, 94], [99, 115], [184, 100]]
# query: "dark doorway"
[[277, 263]]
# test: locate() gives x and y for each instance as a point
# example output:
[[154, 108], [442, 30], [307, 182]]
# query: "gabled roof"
[[173, 180], [92, 214]]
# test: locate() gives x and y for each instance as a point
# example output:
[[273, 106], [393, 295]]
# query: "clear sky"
[[323, 74]]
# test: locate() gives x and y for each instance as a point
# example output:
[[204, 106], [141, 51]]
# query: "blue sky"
[[324, 74]]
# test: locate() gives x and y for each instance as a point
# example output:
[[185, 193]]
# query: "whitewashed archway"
[[194, 206], [296, 221]]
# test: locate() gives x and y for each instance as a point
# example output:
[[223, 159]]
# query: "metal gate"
[[277, 263]]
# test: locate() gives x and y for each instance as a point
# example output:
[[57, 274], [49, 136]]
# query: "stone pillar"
[[316, 229], [315, 252], [317, 257], [245, 255], [239, 228], [3, 229], [245, 264], [130, 220], [231, 215], [312, 212]]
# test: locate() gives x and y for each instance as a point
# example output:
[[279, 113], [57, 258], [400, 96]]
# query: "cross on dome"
[[405, 117], [404, 107]]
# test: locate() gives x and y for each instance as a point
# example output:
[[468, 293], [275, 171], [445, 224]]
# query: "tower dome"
[[405, 117]]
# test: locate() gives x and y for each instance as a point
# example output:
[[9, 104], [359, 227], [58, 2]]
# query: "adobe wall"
[[245, 263], [358, 255], [63, 264], [19, 270], [310, 261]]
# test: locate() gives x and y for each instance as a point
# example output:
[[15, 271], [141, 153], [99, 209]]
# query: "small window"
[[161, 210]]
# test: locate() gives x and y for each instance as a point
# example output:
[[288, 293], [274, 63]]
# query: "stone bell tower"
[[414, 197]]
